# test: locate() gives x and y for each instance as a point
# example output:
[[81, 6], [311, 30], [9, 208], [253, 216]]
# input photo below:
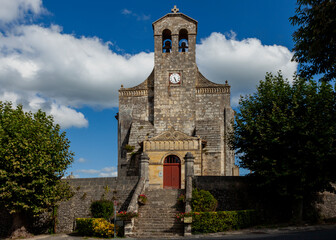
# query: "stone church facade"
[[174, 111]]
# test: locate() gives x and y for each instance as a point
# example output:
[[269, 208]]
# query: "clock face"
[[175, 78]]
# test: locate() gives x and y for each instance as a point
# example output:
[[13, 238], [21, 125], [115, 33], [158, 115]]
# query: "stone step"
[[158, 229], [147, 231], [151, 221], [157, 214], [157, 218], [157, 235], [158, 210], [159, 225]]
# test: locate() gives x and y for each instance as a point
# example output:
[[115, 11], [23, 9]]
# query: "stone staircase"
[[157, 217]]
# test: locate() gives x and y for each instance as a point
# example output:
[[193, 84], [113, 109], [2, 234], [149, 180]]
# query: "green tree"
[[315, 41], [285, 134], [34, 155]]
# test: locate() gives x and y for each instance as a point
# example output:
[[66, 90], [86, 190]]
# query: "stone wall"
[[328, 206], [237, 193], [90, 189], [135, 121], [232, 193]]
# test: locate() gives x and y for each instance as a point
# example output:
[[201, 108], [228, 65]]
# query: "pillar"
[[189, 174], [144, 172]]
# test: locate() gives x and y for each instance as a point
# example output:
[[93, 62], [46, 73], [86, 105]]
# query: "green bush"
[[208, 222], [84, 226], [203, 201], [102, 209], [95, 227]]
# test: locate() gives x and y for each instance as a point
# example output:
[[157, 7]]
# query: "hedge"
[[96, 227], [209, 222]]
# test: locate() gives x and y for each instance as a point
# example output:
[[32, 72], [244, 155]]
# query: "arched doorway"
[[172, 172]]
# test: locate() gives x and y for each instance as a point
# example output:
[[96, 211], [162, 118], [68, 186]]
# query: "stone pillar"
[[189, 174], [144, 172]]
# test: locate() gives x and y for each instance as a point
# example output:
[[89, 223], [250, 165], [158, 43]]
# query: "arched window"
[[166, 41], [183, 40], [172, 159]]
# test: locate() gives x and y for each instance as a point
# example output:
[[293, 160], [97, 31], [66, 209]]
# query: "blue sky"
[[69, 57]]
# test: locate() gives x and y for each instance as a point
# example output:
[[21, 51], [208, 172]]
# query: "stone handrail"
[[140, 188], [133, 206]]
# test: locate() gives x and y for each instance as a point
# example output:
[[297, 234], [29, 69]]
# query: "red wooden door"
[[172, 172]]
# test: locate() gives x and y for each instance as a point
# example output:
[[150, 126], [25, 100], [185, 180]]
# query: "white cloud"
[[63, 115], [70, 72], [126, 11], [139, 17], [243, 63], [42, 67], [108, 174], [12, 10], [81, 160], [105, 172], [88, 171]]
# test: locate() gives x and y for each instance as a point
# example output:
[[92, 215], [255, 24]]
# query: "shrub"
[[97, 227], [203, 201], [207, 222], [84, 226], [102, 209], [129, 148]]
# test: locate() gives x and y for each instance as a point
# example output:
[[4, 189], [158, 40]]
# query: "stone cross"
[[175, 9]]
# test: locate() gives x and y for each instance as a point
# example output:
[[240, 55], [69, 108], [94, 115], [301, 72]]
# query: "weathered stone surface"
[[90, 189], [195, 107], [158, 216], [328, 205], [232, 193]]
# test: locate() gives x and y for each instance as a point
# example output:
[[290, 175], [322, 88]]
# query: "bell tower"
[[175, 110], [175, 72]]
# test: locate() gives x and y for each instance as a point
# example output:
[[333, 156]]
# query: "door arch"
[[172, 172]]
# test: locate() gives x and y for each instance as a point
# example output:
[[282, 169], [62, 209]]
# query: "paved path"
[[318, 232]]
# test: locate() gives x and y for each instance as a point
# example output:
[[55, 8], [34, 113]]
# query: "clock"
[[175, 78]]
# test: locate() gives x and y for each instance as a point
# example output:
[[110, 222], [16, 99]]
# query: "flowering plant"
[[97, 227], [180, 216], [181, 198], [142, 199], [102, 228], [123, 215]]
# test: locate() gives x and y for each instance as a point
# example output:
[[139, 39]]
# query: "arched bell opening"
[[183, 40], [172, 172], [166, 41]]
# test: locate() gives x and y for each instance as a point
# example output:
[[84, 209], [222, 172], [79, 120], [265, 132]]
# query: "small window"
[[166, 41], [183, 40]]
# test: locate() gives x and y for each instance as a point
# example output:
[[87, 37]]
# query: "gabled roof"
[[204, 82], [175, 15], [148, 83], [172, 135]]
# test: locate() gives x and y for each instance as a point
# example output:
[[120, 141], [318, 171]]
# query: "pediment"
[[172, 135]]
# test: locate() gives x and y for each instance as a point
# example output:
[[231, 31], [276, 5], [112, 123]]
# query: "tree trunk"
[[19, 226], [298, 211]]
